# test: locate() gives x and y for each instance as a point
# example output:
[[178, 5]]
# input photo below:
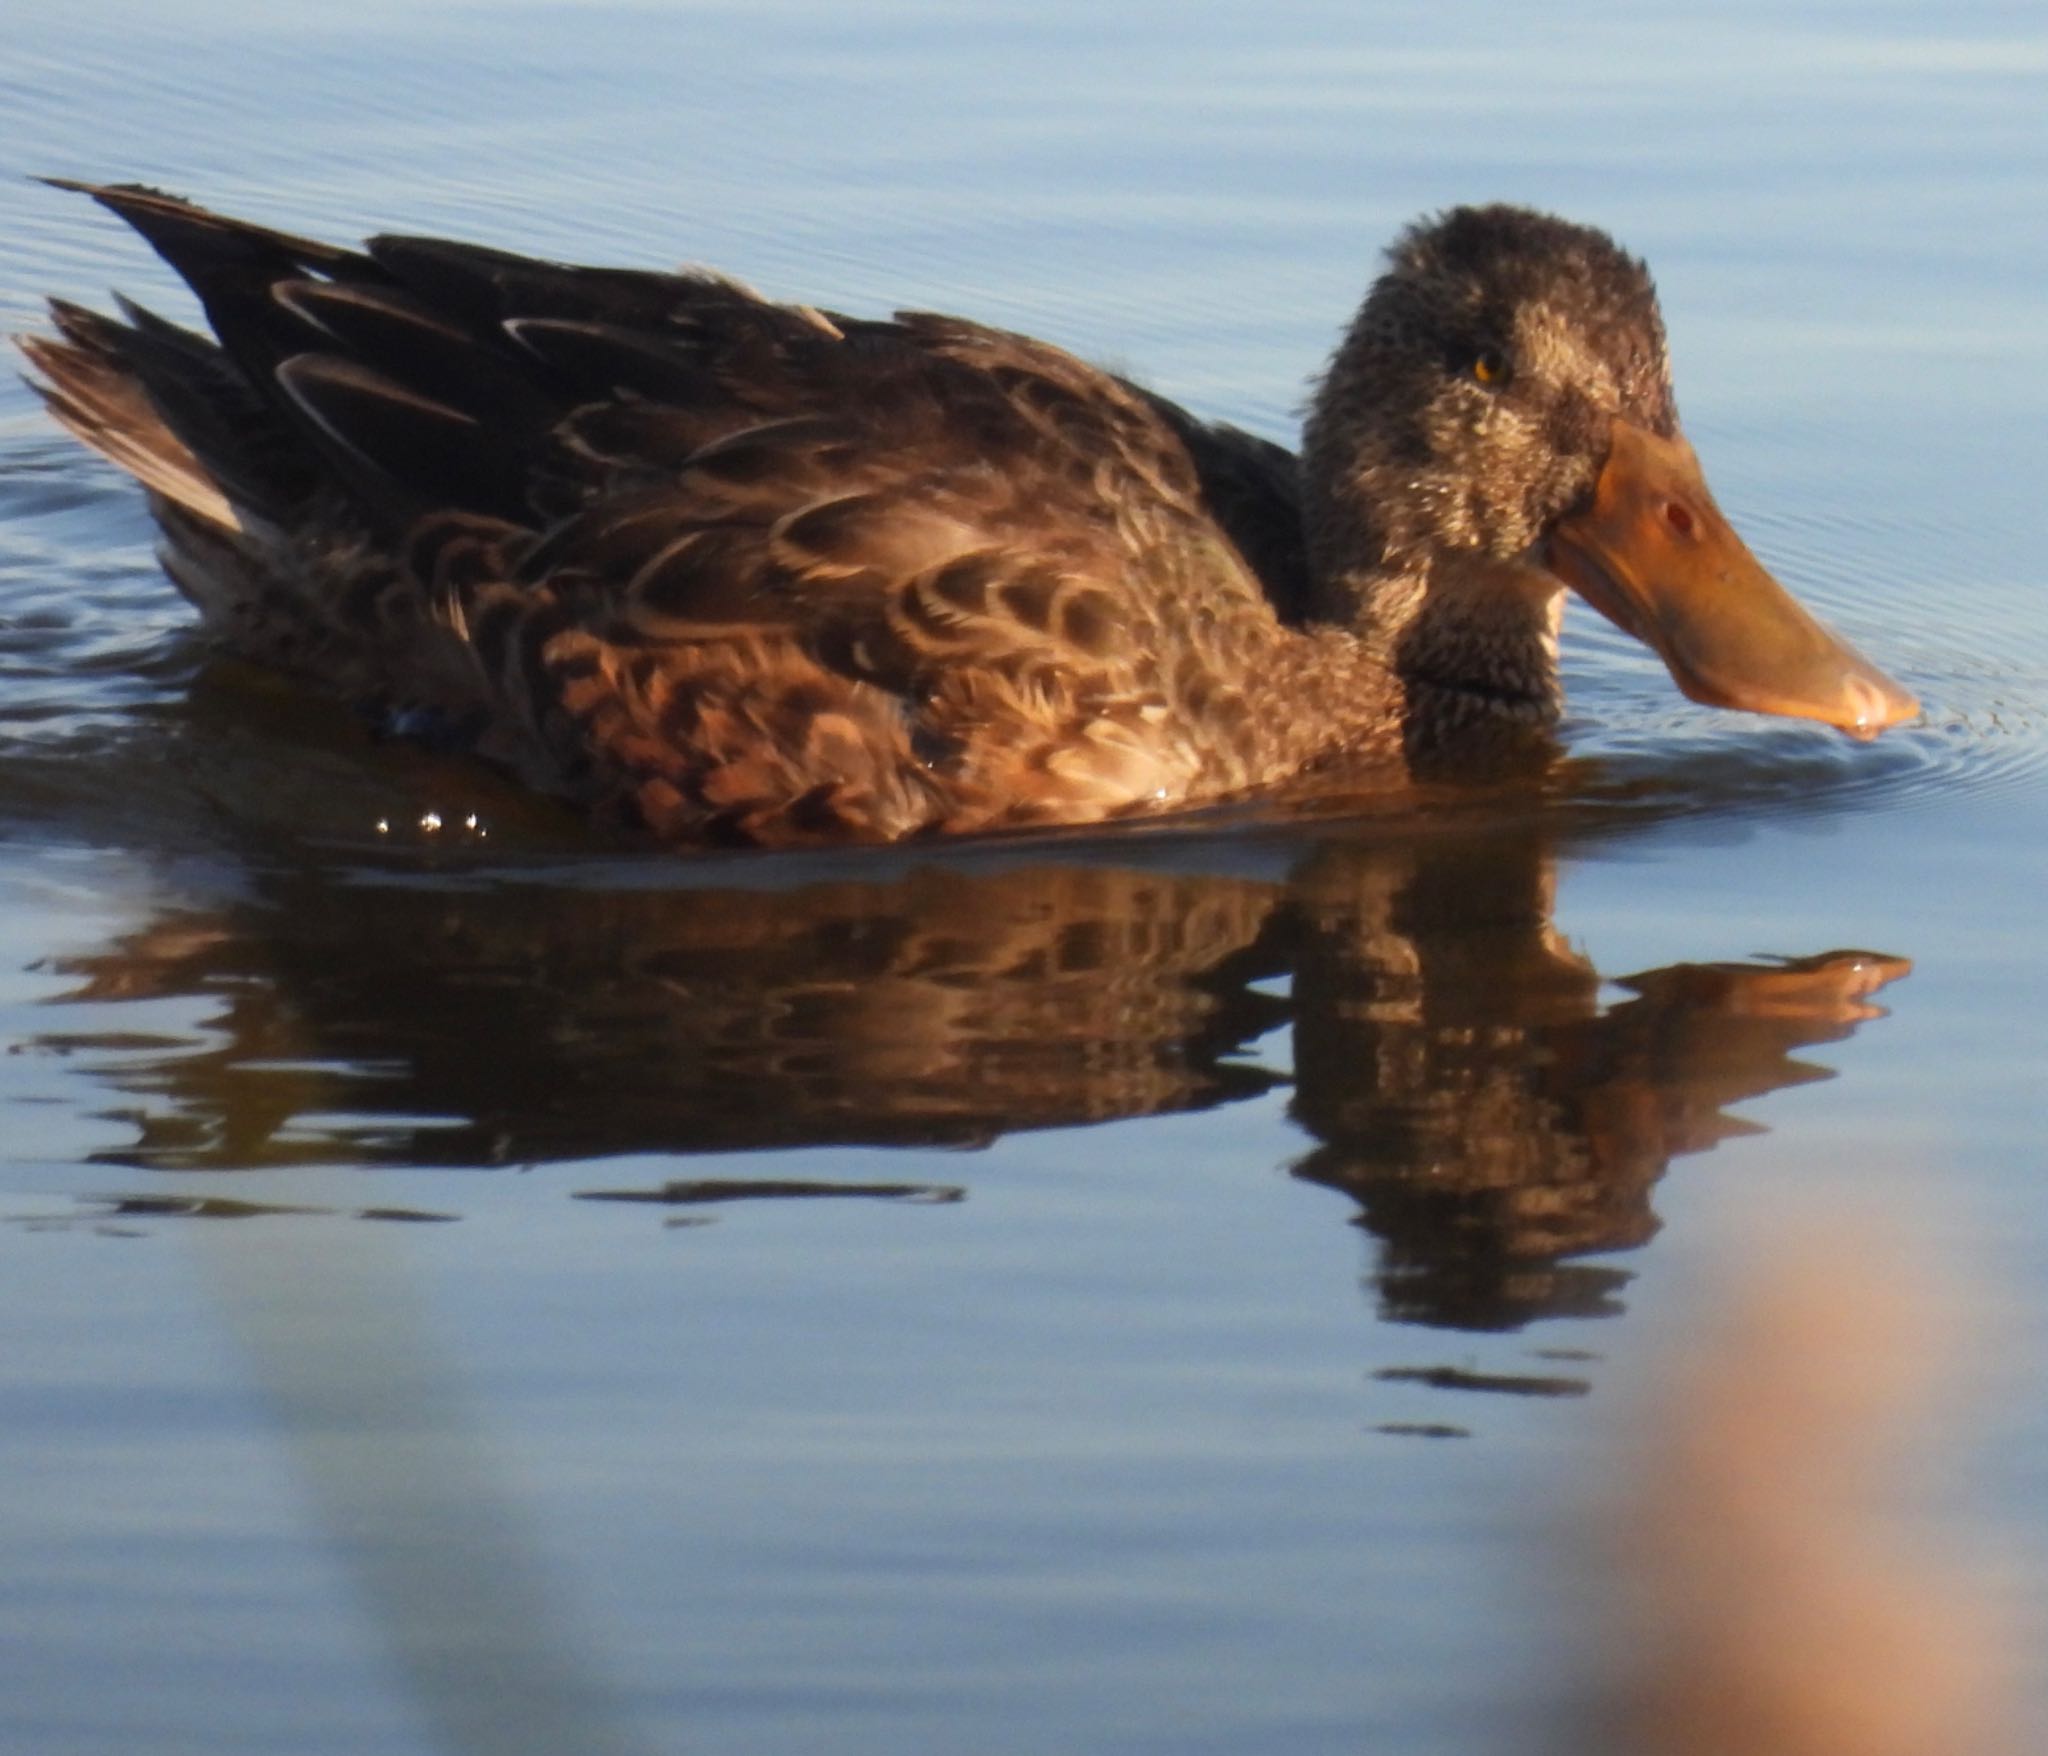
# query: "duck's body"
[[734, 570]]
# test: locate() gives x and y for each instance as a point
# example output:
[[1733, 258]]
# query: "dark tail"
[[177, 410], [167, 406], [322, 369]]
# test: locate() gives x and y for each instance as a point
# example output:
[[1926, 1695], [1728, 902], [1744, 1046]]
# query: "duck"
[[719, 569]]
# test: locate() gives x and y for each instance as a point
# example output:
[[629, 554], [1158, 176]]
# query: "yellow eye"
[[1490, 367]]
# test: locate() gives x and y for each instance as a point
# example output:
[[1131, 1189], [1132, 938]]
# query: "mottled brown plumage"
[[735, 570]]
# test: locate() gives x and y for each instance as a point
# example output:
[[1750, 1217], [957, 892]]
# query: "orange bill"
[[1653, 554]]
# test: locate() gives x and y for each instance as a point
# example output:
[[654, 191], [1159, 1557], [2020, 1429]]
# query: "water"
[[479, 1290]]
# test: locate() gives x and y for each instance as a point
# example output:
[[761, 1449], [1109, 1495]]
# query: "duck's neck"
[[1470, 640], [1401, 551]]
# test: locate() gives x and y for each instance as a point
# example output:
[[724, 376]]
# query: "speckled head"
[[1572, 315], [1469, 403]]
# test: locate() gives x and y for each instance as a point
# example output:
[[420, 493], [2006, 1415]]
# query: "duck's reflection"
[[1492, 1118], [1465, 1078]]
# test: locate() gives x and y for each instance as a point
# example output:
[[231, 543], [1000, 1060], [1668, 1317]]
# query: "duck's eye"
[[1490, 368]]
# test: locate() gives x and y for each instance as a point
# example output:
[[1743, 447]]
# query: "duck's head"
[[1498, 423]]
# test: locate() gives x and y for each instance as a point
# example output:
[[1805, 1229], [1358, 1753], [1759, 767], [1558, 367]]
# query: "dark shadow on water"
[[706, 1191]]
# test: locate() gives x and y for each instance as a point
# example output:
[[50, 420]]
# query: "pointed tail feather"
[[88, 384]]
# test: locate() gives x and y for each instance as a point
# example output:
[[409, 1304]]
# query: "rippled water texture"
[[1159, 1290]]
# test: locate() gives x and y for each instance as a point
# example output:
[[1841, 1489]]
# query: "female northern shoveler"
[[737, 570]]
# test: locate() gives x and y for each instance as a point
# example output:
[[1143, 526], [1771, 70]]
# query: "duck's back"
[[730, 568]]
